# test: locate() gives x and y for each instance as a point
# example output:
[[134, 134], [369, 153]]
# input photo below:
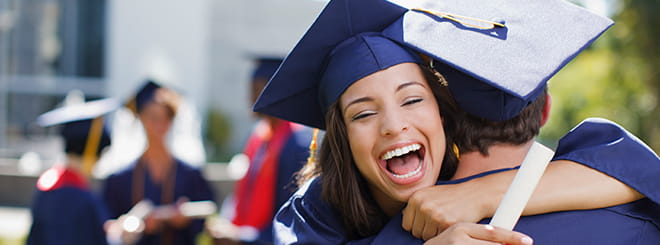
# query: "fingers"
[[469, 233], [430, 230], [496, 234], [418, 226], [408, 218]]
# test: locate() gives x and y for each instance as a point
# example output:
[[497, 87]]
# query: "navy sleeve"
[[196, 189], [607, 147], [392, 233], [112, 197], [306, 219], [292, 157]]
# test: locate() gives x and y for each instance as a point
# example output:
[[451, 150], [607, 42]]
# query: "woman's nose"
[[393, 124]]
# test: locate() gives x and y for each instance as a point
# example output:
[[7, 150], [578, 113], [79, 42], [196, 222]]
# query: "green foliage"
[[617, 78], [218, 130]]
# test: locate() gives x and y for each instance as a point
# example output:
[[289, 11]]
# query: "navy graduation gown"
[[632, 223], [597, 143], [292, 157], [189, 182], [68, 215]]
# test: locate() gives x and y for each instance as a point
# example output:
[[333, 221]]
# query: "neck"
[[158, 163], [499, 156], [156, 146], [74, 162], [157, 155], [389, 205], [272, 121]]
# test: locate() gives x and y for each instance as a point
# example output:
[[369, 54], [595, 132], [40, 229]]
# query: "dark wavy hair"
[[345, 188], [478, 134]]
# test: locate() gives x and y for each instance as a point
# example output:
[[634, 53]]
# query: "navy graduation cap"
[[266, 67], [146, 94], [497, 55], [342, 46], [152, 91], [82, 128]]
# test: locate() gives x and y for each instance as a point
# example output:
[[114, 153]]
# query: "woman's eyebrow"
[[358, 100], [403, 85]]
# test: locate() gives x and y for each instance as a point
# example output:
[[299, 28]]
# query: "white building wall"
[[202, 48], [165, 39], [240, 31]]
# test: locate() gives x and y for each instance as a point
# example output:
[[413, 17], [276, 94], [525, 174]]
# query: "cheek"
[[361, 144]]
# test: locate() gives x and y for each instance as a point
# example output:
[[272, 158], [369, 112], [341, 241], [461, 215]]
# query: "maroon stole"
[[255, 192], [166, 197], [60, 176]]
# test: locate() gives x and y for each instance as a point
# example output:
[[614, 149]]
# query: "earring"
[[456, 151], [437, 74]]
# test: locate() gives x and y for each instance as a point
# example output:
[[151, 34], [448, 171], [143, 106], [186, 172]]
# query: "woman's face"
[[395, 131], [156, 119]]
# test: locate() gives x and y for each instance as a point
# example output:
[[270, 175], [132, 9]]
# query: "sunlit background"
[[205, 49]]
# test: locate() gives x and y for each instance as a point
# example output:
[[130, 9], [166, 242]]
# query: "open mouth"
[[404, 162]]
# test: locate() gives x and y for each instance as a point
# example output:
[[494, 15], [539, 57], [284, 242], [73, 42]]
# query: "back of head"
[[479, 134], [82, 128], [76, 135], [265, 69]]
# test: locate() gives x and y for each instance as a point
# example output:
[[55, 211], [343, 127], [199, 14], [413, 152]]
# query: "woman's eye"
[[413, 101], [361, 115]]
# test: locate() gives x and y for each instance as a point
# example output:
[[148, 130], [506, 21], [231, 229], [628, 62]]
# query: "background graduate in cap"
[[65, 210], [336, 57], [157, 176], [276, 150]]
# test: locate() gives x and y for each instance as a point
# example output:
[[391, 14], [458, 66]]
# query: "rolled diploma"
[[523, 185]]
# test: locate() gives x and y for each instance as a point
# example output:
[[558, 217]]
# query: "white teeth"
[[403, 176], [400, 151]]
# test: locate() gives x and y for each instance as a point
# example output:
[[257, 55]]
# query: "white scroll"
[[523, 185]]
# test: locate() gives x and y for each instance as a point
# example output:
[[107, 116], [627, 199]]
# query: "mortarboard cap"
[[342, 46], [494, 72], [146, 94], [266, 67], [77, 121]]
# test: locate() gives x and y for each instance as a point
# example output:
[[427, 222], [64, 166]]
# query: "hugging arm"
[[598, 164]]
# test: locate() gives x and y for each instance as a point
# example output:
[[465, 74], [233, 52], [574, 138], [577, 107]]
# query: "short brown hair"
[[342, 184], [478, 134]]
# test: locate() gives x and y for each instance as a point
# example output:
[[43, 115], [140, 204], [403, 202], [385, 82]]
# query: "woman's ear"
[[546, 109]]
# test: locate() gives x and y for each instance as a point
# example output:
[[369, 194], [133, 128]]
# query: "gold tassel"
[[91, 146], [312, 147]]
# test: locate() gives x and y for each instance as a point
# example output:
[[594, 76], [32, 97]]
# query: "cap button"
[[499, 20]]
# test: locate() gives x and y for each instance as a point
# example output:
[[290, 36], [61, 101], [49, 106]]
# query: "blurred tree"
[[218, 130], [637, 41], [616, 78]]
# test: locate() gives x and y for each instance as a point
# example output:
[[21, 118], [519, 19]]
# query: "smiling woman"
[[393, 134], [388, 132]]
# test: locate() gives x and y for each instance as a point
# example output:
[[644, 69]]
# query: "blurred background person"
[[276, 150], [65, 210], [157, 176]]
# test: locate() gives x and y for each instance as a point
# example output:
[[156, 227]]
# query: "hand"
[[153, 225], [221, 230], [178, 220], [469, 233], [431, 210], [124, 230]]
